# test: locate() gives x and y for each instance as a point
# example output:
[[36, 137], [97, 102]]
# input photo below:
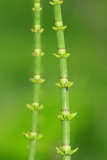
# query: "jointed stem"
[[65, 150], [33, 135]]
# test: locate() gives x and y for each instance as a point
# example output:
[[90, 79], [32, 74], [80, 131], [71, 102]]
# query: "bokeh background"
[[86, 40]]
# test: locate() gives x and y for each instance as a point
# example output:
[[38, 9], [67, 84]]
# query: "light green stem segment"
[[37, 71], [63, 76]]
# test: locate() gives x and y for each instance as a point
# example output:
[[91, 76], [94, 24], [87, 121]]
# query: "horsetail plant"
[[65, 117], [33, 135]]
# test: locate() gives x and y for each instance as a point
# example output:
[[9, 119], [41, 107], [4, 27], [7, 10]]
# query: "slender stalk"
[[65, 117], [33, 135]]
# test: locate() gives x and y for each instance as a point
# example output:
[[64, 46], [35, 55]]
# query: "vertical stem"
[[64, 83], [63, 75], [36, 80]]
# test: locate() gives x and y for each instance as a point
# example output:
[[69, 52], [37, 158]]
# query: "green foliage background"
[[87, 67]]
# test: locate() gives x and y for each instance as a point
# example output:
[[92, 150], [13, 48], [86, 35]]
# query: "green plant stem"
[[37, 72], [63, 77]]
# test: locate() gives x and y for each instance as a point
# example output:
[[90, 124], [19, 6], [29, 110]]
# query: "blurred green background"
[[86, 40]]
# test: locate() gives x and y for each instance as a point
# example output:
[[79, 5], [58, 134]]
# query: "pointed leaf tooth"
[[57, 84], [24, 134], [67, 55], [73, 151], [54, 28], [59, 151], [27, 136], [60, 117], [42, 30], [51, 3], [56, 55], [70, 84], [29, 107], [33, 9], [73, 115], [41, 107], [64, 27], [42, 80], [32, 30]]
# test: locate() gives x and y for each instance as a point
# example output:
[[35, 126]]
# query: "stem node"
[[59, 28], [66, 116], [37, 79], [32, 136], [37, 30], [56, 2], [66, 150], [66, 85], [34, 107]]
